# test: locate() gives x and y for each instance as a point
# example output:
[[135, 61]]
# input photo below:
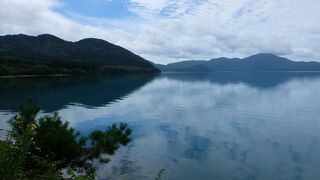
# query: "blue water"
[[202, 126]]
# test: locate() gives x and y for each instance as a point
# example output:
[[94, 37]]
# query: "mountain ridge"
[[257, 62]]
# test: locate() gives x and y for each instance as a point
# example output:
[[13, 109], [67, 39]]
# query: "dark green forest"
[[48, 55]]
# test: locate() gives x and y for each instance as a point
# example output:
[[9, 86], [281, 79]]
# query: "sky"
[[165, 31]]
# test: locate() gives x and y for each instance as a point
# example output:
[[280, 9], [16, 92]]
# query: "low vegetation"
[[24, 67]]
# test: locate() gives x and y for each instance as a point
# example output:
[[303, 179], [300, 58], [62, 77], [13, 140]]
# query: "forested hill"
[[46, 54]]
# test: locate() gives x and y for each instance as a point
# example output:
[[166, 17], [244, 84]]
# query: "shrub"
[[43, 148]]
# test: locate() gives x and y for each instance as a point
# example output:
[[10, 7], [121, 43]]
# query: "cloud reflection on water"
[[221, 126], [202, 129]]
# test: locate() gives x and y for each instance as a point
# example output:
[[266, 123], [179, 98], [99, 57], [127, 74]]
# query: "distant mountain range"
[[258, 62], [46, 54]]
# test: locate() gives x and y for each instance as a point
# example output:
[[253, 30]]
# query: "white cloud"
[[151, 5], [37, 17], [171, 30]]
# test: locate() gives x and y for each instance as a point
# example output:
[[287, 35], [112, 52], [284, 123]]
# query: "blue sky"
[[116, 9], [167, 31]]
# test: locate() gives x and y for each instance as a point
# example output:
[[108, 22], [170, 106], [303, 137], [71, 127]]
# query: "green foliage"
[[53, 134], [15, 149], [26, 117], [42, 148], [109, 141], [160, 174]]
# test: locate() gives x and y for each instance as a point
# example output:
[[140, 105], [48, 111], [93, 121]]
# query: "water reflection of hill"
[[52, 93], [255, 79]]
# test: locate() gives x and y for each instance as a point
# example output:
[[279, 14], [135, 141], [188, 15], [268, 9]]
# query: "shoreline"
[[68, 75], [25, 76]]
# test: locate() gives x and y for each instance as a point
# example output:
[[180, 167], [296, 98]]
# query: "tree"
[[42, 148]]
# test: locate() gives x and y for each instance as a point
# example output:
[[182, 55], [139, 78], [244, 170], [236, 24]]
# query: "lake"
[[222, 125]]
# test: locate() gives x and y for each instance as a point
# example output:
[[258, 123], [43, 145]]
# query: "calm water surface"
[[228, 126]]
